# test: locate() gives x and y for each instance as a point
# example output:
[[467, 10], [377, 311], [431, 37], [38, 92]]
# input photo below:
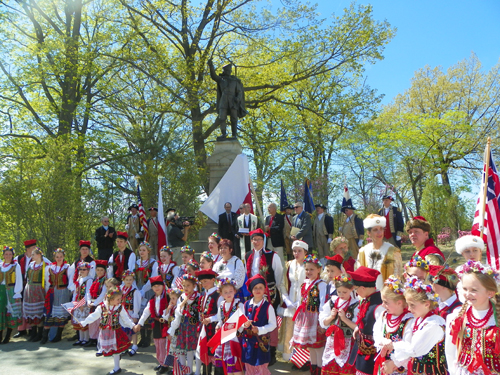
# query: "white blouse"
[[326, 311], [297, 274], [56, 269], [18, 286], [137, 302], [232, 269], [154, 272], [378, 331], [125, 320]]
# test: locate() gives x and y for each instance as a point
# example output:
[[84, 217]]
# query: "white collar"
[[450, 300], [258, 304]]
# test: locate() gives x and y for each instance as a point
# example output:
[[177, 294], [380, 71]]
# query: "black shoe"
[[273, 356], [158, 367], [162, 370], [39, 334], [78, 343], [88, 343], [20, 334], [7, 336], [58, 336], [98, 354], [45, 336], [113, 372]]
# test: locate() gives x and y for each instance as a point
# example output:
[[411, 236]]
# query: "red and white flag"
[[202, 348], [228, 330], [72, 306], [142, 214], [300, 357], [488, 220], [162, 229], [234, 187]]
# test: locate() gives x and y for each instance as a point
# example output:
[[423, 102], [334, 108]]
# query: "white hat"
[[467, 241], [377, 221], [302, 244]]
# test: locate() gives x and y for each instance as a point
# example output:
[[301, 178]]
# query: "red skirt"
[[121, 342], [333, 368]]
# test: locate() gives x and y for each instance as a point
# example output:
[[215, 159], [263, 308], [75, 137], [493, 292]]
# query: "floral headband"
[[189, 277], [395, 284], [343, 278], [226, 281], [194, 264], [311, 259], [127, 273], [417, 285], [59, 250], [166, 249], [113, 291], [187, 249], [84, 265], [419, 262], [478, 267], [208, 255], [174, 290], [145, 243], [9, 248], [215, 235]]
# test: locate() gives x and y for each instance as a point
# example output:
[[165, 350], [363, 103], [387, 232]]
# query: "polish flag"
[[202, 346], [228, 330], [234, 187], [162, 229]]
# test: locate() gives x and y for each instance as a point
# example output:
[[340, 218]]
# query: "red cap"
[[364, 276], [29, 243], [335, 260], [101, 263], [433, 270], [257, 232], [206, 274], [419, 218], [84, 243], [123, 235], [157, 280]]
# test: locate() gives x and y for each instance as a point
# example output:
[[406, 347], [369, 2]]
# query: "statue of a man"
[[230, 98]]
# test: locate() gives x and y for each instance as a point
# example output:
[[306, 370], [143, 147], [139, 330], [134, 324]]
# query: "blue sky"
[[434, 33]]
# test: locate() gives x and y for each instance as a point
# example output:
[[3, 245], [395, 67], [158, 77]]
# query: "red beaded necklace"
[[344, 304], [226, 313], [416, 325], [394, 322], [479, 323]]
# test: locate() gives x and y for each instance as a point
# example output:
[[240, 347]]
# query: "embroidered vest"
[[126, 256], [81, 291], [110, 319], [349, 313], [128, 300], [192, 316], [35, 276], [9, 276], [142, 274], [432, 363], [58, 280], [256, 350], [486, 341], [313, 303], [168, 276]]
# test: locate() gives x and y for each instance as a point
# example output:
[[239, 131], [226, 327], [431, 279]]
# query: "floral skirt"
[[10, 308], [306, 331], [112, 342], [33, 303], [55, 314], [187, 336]]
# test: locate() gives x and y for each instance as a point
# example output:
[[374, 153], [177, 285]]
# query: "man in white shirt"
[[247, 222]]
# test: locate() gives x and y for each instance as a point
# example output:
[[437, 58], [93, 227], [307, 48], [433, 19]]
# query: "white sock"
[[116, 357], [182, 359], [86, 335], [81, 335], [190, 359], [198, 366], [135, 347]]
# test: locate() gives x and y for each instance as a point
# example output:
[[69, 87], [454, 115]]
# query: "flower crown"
[[395, 284], [208, 255], [418, 261], [417, 285], [343, 278], [311, 259], [472, 266], [59, 250], [215, 235], [194, 264], [174, 290], [226, 281], [187, 249], [145, 243], [113, 291], [167, 249], [189, 277], [128, 273], [84, 265], [9, 248]]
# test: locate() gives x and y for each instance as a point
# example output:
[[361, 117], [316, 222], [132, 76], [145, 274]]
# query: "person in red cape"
[[370, 308], [268, 264], [154, 309], [419, 231]]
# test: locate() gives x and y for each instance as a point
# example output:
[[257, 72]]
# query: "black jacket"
[[105, 242], [225, 229], [276, 230]]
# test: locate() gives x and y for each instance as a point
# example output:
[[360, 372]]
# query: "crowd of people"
[[348, 303]]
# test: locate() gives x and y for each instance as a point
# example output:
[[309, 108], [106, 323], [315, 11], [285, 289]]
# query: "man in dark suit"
[[322, 232], [274, 226], [105, 237], [301, 225], [394, 219], [228, 223]]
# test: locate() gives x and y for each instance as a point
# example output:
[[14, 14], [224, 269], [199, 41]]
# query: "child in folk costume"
[[98, 291], [213, 247], [169, 316], [423, 350], [209, 304], [57, 277], [112, 315], [85, 257], [393, 325], [187, 254], [370, 308], [307, 332], [471, 248], [444, 282], [473, 333], [82, 292], [34, 295], [186, 322], [338, 316], [340, 246], [11, 286], [225, 359], [122, 260], [333, 269], [132, 304], [167, 268], [256, 335], [207, 261], [417, 267], [293, 277], [155, 309]]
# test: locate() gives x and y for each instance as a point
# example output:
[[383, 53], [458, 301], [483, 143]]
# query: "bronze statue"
[[230, 98]]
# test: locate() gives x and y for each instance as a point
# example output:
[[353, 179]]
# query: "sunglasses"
[[83, 269]]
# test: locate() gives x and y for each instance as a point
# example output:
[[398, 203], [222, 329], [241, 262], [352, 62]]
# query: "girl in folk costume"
[[293, 277], [471, 248], [307, 332], [34, 295], [370, 308], [473, 333], [169, 316], [393, 325], [85, 257], [444, 282], [209, 304], [57, 277], [333, 269], [98, 291], [122, 260], [186, 322], [213, 247], [340, 246], [155, 309], [423, 350], [132, 304], [82, 292], [187, 254], [207, 261], [225, 360], [112, 339], [417, 267], [378, 254], [230, 266], [11, 287], [338, 317], [167, 268], [256, 336]]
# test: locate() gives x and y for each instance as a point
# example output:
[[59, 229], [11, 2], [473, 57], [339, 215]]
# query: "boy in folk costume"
[[419, 230], [444, 282], [378, 254], [121, 260], [155, 309], [370, 309]]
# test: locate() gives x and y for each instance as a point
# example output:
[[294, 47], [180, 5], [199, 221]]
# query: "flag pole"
[[485, 182], [256, 201]]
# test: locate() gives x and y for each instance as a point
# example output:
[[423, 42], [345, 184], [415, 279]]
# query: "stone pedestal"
[[225, 151]]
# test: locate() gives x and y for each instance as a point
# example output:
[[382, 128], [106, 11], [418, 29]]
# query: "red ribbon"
[[456, 326], [304, 294], [338, 338], [48, 306], [378, 363]]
